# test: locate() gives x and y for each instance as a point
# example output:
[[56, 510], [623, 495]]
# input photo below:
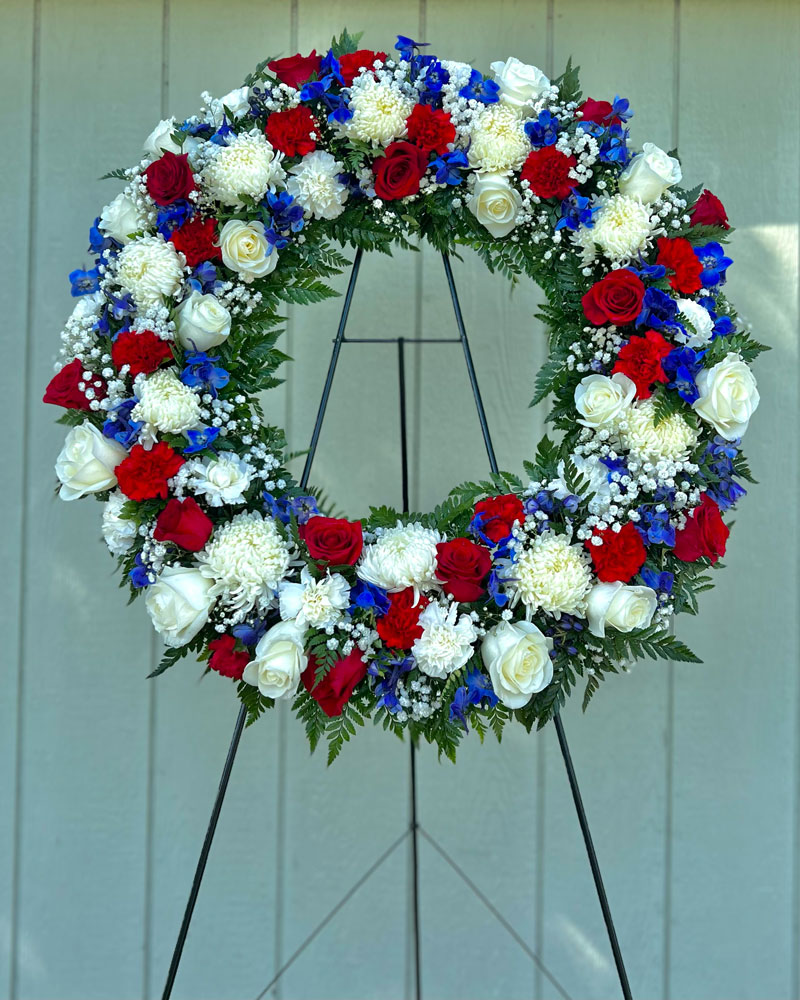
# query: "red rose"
[[290, 131], [295, 70], [333, 540], [352, 63], [142, 351], [462, 566], [63, 389], [143, 474], [183, 522], [547, 171], [705, 533], [709, 211], [226, 659], [196, 240], [640, 360], [399, 171], [621, 555], [677, 255], [400, 626], [495, 517], [169, 178], [335, 688], [599, 112], [430, 129], [616, 298]]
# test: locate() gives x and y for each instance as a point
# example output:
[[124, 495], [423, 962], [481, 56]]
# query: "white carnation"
[[403, 556], [248, 166], [119, 532], [673, 438], [446, 640], [316, 186], [246, 559], [318, 603], [221, 480], [498, 141], [150, 269], [553, 575], [701, 325], [165, 404], [622, 227], [379, 111]]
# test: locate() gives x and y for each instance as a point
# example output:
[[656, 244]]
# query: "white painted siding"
[[690, 774]]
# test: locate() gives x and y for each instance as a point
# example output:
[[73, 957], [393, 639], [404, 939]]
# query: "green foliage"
[[254, 701], [345, 43]]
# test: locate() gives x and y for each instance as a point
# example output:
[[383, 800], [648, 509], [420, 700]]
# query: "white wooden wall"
[[690, 773]]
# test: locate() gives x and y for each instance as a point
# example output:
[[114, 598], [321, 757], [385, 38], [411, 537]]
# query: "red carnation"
[[462, 566], [547, 171], [495, 517], [709, 211], [183, 522], [336, 687], [599, 112], [169, 178], [677, 255], [197, 240], [226, 659], [705, 533], [333, 541], [295, 70], [430, 129], [63, 389], [352, 63], [640, 360], [290, 131], [143, 474], [616, 298], [143, 351], [621, 555], [399, 171], [399, 627]]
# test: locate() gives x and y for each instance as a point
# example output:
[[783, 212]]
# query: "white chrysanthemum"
[[246, 559], [221, 480], [166, 404], [553, 575], [318, 603], [119, 532], [249, 166], [621, 229], [672, 439], [316, 186], [498, 141], [403, 556], [446, 640], [699, 324], [379, 111], [150, 269]]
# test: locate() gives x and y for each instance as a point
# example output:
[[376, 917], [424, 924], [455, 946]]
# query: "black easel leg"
[[593, 862], [201, 864]]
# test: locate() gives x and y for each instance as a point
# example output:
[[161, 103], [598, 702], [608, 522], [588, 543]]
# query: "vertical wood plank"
[[84, 699], [735, 716]]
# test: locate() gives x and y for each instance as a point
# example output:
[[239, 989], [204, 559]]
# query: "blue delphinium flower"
[[173, 216], [389, 669], [119, 426], [576, 212], [200, 439], [250, 632], [407, 47], [479, 89], [715, 264], [84, 282], [648, 272], [121, 306], [101, 245], [222, 136], [449, 166], [369, 597], [141, 575], [477, 688], [614, 147], [719, 456], [285, 218], [682, 366], [659, 310], [283, 508], [662, 582], [201, 371], [303, 508], [204, 279], [543, 131], [494, 587], [655, 526], [434, 77]]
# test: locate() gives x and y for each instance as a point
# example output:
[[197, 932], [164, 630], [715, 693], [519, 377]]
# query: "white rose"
[[278, 662], [244, 249], [620, 606], [517, 656], [202, 322], [179, 603], [160, 139], [495, 203], [649, 174], [87, 462], [237, 102], [120, 218], [600, 400], [520, 84], [728, 396]]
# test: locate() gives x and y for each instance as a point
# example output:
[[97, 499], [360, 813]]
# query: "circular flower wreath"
[[490, 607]]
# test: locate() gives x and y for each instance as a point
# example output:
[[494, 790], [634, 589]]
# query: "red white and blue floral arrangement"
[[491, 607]]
